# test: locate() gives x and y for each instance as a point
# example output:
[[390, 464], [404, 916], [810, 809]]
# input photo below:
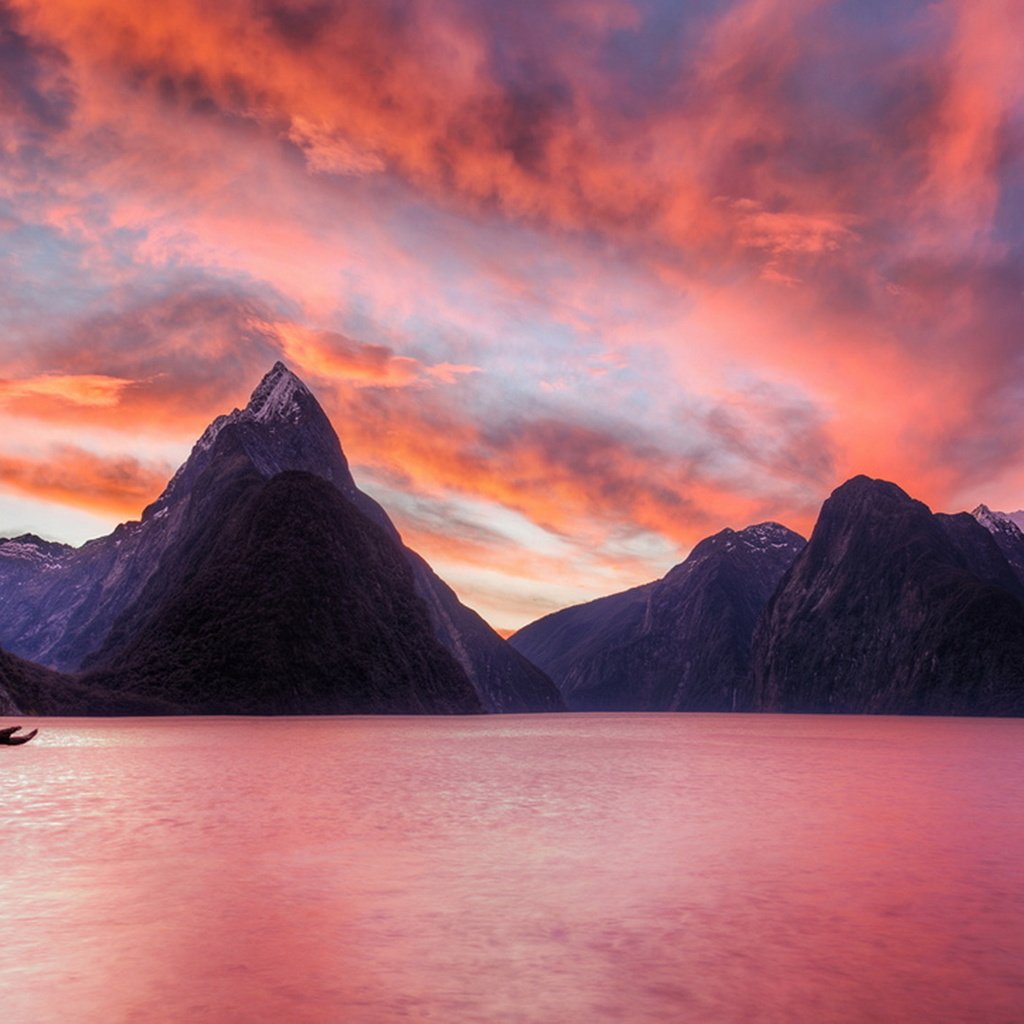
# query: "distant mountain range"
[[263, 581], [888, 609]]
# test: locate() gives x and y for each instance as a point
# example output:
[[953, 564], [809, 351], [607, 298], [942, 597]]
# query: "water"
[[569, 868]]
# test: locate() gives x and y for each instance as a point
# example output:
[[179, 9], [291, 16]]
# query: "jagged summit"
[[31, 546], [276, 397], [995, 522], [679, 643], [986, 516], [282, 427], [861, 489], [759, 537], [864, 504], [1007, 534]]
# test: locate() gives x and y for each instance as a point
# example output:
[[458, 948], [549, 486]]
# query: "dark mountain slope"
[[892, 610], [505, 680], [679, 644], [283, 599], [29, 689], [576, 634]]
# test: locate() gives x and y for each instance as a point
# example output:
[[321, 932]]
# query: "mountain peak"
[[996, 522], [281, 428], [864, 496], [759, 538], [275, 396], [863, 487], [762, 536], [990, 520]]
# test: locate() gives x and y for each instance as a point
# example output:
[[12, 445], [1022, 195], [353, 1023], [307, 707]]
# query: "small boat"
[[8, 739]]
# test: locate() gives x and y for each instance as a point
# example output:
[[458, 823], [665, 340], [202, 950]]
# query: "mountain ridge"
[[678, 643]]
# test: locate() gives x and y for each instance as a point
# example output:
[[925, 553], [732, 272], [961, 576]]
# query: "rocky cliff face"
[[892, 610], [282, 598], [60, 610], [681, 643]]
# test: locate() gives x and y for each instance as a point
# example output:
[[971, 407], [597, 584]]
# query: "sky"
[[579, 282]]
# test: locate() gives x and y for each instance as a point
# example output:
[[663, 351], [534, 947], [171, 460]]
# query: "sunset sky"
[[579, 282]]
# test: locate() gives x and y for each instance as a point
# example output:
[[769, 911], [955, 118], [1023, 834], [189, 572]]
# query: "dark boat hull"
[[8, 739]]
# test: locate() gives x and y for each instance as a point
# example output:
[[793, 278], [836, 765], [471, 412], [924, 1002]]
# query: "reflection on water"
[[554, 868]]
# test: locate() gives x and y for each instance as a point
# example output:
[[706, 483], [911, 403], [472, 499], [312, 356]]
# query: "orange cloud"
[[969, 136], [78, 389], [332, 355], [360, 92], [584, 482], [120, 486]]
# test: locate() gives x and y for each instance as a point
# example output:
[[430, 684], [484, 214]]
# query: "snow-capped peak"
[[763, 536], [984, 516], [275, 397], [276, 400], [995, 522]]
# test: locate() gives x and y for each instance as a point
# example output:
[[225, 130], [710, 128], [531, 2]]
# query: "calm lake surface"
[[572, 868]]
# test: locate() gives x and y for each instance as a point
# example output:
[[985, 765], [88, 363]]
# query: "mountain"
[[1007, 534], [62, 606], [63, 612], [681, 643], [892, 610], [29, 689], [20, 682], [282, 598]]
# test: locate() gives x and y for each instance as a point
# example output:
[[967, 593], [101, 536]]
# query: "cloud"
[[121, 486], [328, 152], [78, 389], [795, 225], [334, 356], [163, 359], [36, 94], [590, 482]]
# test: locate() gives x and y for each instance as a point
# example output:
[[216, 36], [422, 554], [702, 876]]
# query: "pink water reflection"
[[555, 868]]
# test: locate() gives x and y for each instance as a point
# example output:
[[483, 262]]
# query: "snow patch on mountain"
[[275, 397], [998, 522], [275, 401], [764, 536], [30, 548]]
